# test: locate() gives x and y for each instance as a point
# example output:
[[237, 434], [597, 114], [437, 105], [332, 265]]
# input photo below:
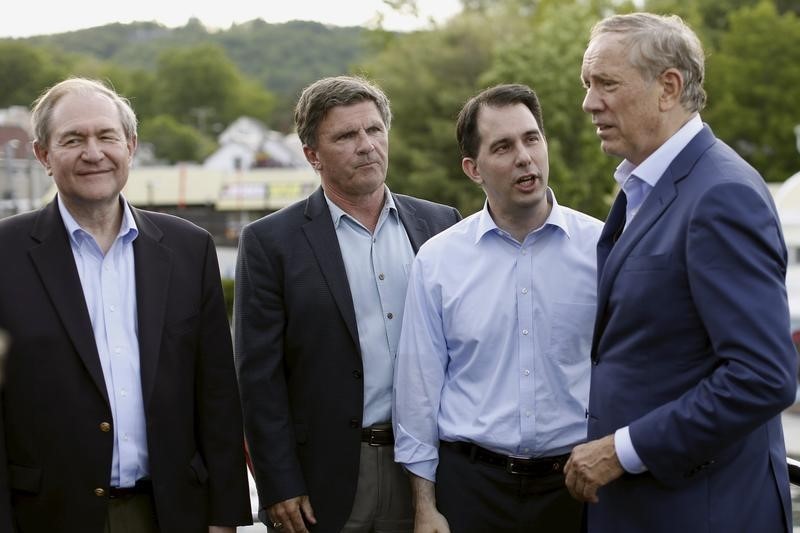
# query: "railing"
[[794, 471]]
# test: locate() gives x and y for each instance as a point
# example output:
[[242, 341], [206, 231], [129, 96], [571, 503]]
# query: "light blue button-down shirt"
[[496, 340], [377, 266], [642, 179], [109, 287]]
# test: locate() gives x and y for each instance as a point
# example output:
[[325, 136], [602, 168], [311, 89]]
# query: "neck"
[[101, 222], [520, 224], [365, 208]]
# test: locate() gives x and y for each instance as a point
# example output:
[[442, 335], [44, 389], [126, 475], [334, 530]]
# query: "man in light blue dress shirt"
[[492, 377], [320, 287], [692, 358], [120, 411]]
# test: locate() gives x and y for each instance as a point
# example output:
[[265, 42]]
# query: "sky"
[[31, 17]]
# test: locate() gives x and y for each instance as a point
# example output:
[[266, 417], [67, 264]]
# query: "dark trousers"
[[133, 514], [480, 498]]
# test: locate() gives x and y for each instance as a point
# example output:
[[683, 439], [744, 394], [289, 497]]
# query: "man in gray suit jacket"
[[319, 302]]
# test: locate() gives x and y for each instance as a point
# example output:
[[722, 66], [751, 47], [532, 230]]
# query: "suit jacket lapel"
[[152, 266], [54, 262], [662, 195], [321, 237], [416, 227]]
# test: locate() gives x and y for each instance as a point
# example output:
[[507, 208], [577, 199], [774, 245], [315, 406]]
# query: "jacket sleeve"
[[736, 267], [219, 410], [259, 319]]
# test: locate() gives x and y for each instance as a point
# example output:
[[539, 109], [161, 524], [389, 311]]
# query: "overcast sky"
[[31, 17]]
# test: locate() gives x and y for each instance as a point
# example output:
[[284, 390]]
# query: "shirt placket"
[[526, 334]]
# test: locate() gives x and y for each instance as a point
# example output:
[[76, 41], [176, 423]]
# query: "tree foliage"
[[188, 82], [175, 142], [751, 83]]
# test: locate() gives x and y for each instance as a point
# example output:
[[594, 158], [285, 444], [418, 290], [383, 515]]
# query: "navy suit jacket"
[[692, 350], [298, 355], [55, 447]]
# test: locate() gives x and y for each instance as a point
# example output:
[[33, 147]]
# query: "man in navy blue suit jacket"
[[692, 358]]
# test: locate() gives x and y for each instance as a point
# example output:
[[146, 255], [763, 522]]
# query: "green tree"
[[548, 57], [201, 86], [752, 78], [428, 76], [25, 71], [173, 141]]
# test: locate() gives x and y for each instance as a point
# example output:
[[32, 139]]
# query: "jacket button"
[[105, 427], [594, 362], [356, 374], [99, 492], [354, 423]]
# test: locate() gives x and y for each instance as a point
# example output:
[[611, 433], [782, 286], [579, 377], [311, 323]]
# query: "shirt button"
[[123, 392], [526, 372], [105, 427], [381, 276], [524, 331], [112, 308], [99, 492], [125, 437], [528, 414], [525, 290], [389, 316]]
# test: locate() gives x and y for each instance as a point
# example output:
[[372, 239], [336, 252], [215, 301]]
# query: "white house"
[[247, 143]]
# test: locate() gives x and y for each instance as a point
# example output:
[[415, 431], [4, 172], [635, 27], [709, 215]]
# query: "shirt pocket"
[[571, 328]]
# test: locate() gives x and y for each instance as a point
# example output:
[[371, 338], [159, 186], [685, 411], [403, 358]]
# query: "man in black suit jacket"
[[119, 404], [319, 296]]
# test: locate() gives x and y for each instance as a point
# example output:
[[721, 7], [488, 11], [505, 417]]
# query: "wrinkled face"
[[512, 164], [352, 151], [624, 106], [88, 155]]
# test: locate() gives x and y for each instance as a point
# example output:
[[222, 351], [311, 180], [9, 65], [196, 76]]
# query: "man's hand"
[[430, 522], [290, 514], [221, 529], [427, 519], [590, 466]]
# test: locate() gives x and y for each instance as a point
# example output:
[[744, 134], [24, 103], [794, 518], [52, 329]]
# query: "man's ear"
[[470, 168], [312, 157], [41, 154], [672, 83]]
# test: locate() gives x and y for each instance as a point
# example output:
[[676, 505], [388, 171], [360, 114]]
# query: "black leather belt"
[[378, 436], [525, 466], [143, 486]]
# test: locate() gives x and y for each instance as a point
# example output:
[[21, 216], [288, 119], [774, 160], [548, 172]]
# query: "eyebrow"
[[507, 139]]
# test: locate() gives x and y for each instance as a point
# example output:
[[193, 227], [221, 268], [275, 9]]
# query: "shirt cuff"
[[423, 469], [626, 453]]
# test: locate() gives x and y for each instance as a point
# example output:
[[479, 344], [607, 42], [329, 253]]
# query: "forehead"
[[349, 115], [606, 53], [84, 111], [505, 121]]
